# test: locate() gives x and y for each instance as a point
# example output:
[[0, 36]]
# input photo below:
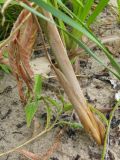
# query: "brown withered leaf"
[[20, 50]]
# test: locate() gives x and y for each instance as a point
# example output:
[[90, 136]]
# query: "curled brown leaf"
[[20, 48]]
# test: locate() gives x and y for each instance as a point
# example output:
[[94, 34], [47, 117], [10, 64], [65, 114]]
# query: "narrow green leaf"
[[64, 36], [64, 8], [113, 62], [101, 5], [86, 10], [88, 51], [79, 2]]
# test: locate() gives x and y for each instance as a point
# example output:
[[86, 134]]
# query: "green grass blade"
[[64, 37], [64, 8], [76, 7], [86, 10], [98, 10], [88, 51], [113, 62], [79, 2]]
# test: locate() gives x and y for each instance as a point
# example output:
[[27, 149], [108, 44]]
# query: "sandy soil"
[[74, 144]]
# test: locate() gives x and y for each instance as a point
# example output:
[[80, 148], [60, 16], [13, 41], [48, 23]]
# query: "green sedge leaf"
[[101, 5], [86, 10], [79, 2]]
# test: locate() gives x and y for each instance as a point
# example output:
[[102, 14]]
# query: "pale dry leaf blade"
[[85, 118]]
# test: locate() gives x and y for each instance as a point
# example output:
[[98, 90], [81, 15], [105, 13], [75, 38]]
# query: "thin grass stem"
[[105, 148]]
